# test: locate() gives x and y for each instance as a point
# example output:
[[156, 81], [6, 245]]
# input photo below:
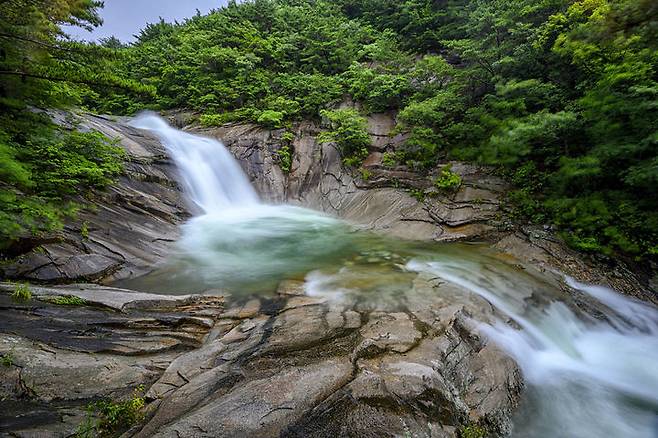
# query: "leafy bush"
[[350, 132], [7, 359], [378, 91], [271, 118], [472, 431], [312, 92], [389, 159], [448, 180], [365, 174], [111, 418], [45, 169], [285, 158]]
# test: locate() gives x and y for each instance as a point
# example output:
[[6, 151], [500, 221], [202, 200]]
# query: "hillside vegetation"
[[561, 96]]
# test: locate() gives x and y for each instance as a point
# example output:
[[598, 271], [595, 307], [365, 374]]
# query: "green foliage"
[[389, 159], [286, 151], [365, 174], [472, 431], [45, 169], [84, 230], [41, 67], [448, 180], [427, 121], [266, 55], [21, 292], [7, 359], [68, 300], [418, 194], [111, 418], [285, 158], [350, 132], [270, 118], [378, 91]]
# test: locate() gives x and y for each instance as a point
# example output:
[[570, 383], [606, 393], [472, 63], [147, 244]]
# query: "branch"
[[56, 79], [39, 43]]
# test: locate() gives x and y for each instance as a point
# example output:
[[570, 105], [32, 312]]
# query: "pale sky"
[[125, 18]]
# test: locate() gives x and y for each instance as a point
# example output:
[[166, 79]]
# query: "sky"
[[125, 18]]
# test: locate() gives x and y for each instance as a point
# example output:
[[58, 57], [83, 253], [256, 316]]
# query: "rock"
[[318, 180], [540, 249], [373, 160], [264, 407], [320, 368], [292, 288], [286, 365], [64, 357], [114, 298], [130, 228], [388, 332]]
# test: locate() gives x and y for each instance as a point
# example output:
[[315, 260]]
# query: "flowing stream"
[[587, 376]]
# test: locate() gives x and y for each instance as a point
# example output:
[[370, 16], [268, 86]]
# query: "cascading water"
[[212, 178], [587, 377]]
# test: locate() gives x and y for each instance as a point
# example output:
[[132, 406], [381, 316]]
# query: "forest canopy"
[[560, 95]]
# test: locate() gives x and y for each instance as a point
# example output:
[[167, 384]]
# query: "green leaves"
[[378, 91], [350, 132], [43, 168]]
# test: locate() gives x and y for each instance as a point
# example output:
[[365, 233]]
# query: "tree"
[[43, 167]]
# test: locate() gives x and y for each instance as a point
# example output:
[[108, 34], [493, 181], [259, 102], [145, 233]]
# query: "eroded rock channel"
[[380, 342]]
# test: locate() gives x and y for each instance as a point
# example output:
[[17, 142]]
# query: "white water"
[[587, 377], [213, 179]]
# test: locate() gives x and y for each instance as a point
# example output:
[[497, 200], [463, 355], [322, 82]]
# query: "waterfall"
[[212, 178], [237, 239]]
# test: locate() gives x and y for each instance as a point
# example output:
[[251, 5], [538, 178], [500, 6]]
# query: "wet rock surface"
[[290, 365], [303, 366], [59, 358]]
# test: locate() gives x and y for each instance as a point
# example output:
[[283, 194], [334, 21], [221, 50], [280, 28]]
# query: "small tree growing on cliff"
[[350, 132]]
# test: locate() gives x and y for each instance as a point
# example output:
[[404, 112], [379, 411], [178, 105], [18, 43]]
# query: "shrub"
[[285, 158], [350, 132], [312, 91], [472, 431], [377, 91], [46, 170], [84, 230], [110, 418], [271, 118], [418, 194], [448, 180], [209, 120], [389, 159], [7, 359]]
